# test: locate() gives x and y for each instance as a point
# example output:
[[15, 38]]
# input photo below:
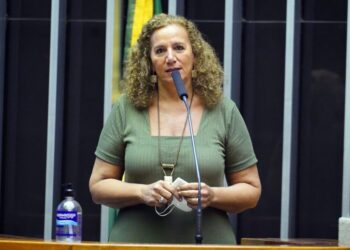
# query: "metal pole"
[[346, 155], [107, 99], [55, 113], [290, 120]]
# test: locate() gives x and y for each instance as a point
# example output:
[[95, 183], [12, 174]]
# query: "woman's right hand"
[[158, 193]]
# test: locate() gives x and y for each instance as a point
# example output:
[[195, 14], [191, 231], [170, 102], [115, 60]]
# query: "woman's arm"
[[107, 188], [243, 192]]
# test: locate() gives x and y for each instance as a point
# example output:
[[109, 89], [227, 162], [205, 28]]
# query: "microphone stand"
[[180, 88], [198, 235]]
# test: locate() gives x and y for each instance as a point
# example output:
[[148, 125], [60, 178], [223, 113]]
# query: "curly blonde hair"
[[138, 69]]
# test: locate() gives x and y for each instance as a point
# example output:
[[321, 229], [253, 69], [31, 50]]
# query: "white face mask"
[[182, 205]]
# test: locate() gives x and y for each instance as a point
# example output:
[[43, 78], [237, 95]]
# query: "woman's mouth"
[[172, 69]]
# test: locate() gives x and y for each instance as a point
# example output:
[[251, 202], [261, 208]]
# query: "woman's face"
[[171, 50]]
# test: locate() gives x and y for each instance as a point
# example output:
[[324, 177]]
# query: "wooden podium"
[[289, 242], [27, 244]]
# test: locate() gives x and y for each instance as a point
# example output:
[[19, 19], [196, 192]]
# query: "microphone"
[[180, 88], [181, 91]]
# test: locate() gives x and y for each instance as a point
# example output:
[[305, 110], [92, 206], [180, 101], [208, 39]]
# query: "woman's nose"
[[170, 58]]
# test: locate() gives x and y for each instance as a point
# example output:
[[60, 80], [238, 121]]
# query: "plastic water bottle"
[[69, 217]]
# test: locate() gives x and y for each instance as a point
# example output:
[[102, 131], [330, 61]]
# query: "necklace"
[[168, 168]]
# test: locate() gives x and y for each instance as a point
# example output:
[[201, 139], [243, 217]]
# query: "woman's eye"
[[159, 51], [179, 47]]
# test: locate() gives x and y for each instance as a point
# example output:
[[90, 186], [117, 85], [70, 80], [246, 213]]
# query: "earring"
[[194, 73], [153, 78]]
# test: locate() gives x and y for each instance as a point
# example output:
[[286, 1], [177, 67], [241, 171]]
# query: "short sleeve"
[[239, 149], [110, 147]]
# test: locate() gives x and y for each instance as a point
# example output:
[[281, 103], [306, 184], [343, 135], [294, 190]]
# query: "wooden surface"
[[26, 244], [288, 242]]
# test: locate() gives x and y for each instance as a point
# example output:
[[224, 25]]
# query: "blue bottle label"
[[64, 218]]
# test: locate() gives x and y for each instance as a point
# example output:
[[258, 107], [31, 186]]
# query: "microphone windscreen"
[[179, 84]]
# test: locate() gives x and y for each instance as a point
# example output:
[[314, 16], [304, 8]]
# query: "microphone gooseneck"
[[180, 88]]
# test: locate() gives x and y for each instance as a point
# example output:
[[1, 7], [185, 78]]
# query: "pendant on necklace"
[[168, 166], [168, 179]]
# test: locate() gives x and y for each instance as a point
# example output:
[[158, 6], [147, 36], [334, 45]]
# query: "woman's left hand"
[[189, 192]]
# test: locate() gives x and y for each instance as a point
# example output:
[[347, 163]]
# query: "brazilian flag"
[[139, 12]]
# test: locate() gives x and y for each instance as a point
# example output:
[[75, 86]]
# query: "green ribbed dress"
[[223, 146]]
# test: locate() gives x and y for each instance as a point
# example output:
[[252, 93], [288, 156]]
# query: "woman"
[[146, 139]]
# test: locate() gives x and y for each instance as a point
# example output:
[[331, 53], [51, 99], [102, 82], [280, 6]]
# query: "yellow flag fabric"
[[143, 12], [139, 12]]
